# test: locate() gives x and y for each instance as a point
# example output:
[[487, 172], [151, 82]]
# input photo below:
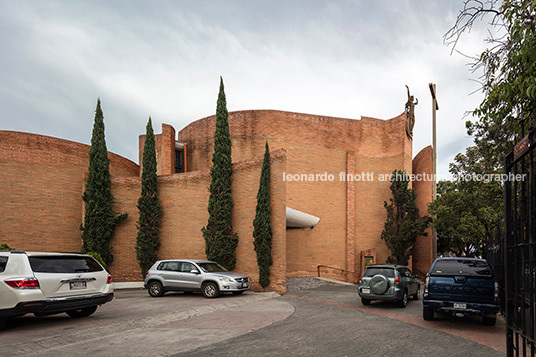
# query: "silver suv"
[[388, 282], [190, 276], [51, 283]]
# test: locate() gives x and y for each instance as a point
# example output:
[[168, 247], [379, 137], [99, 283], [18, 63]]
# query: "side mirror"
[[195, 271]]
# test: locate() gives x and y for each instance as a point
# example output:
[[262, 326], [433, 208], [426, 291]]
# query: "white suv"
[[51, 283]]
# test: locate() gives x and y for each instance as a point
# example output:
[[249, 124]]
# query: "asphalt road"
[[326, 321]]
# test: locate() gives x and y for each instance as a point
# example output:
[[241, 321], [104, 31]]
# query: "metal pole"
[[435, 107]]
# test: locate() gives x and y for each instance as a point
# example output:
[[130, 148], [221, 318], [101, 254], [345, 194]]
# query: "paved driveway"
[[326, 321]]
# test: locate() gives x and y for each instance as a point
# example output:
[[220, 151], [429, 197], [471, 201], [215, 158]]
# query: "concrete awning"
[[298, 219]]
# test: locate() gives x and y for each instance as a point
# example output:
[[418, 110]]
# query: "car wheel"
[[379, 284], [85, 312], [238, 292], [155, 289], [427, 314], [210, 290], [404, 301], [365, 301], [417, 293], [489, 320]]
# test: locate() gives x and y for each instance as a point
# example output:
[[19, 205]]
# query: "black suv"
[[388, 282]]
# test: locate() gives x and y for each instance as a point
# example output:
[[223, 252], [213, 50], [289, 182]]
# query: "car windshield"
[[211, 267], [388, 272], [461, 267], [64, 264]]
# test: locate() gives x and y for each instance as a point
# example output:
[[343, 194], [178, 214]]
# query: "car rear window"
[[3, 263], [461, 267], [59, 264], [388, 272]]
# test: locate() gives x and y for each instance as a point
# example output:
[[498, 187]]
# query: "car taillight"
[[23, 283], [109, 280], [496, 290], [397, 280], [147, 272], [360, 281], [426, 285]]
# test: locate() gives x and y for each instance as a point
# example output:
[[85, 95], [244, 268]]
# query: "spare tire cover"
[[379, 284]]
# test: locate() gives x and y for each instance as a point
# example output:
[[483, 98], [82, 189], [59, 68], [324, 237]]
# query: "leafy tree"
[[5, 247], [220, 241], [100, 218], [149, 206], [508, 73], [262, 224], [404, 224], [468, 208]]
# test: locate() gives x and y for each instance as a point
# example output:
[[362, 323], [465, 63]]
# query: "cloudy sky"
[[164, 58]]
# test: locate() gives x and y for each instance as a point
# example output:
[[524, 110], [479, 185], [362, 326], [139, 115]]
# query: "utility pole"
[[435, 107]]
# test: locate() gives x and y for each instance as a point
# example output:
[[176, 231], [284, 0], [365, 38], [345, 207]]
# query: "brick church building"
[[329, 180]]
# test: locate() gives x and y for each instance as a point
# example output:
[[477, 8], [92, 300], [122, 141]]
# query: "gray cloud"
[[164, 59]]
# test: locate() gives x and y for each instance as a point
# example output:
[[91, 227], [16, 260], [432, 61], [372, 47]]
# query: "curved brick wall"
[[422, 249], [42, 180], [251, 128], [352, 215]]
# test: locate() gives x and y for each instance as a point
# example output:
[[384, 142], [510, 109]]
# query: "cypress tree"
[[262, 224], [403, 224], [220, 241], [149, 206], [100, 218]]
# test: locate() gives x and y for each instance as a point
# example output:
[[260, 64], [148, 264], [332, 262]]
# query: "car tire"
[[365, 301], [489, 320], [85, 312], [427, 314], [210, 290], [404, 301], [379, 284], [238, 292], [155, 289], [417, 293]]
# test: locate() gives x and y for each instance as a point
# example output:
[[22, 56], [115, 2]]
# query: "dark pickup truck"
[[461, 286]]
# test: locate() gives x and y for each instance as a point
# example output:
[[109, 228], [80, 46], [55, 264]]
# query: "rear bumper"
[[56, 306], [392, 294], [471, 308]]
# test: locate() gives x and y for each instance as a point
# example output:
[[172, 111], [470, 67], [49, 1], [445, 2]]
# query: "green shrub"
[[98, 258], [5, 247]]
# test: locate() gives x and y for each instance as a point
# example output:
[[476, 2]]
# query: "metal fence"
[[519, 249]]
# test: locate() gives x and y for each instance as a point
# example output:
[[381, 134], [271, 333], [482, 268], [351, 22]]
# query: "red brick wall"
[[184, 199], [423, 251], [351, 214], [42, 184]]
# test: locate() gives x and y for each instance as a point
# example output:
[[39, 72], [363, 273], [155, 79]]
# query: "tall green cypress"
[[262, 224], [403, 224], [149, 206], [220, 241], [100, 218]]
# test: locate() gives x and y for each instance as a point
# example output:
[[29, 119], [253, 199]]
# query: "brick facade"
[[43, 181]]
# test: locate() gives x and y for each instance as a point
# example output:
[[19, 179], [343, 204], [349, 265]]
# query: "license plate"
[[366, 291], [460, 306], [76, 285], [245, 285]]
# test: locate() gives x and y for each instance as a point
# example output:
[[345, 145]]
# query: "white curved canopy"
[[298, 219]]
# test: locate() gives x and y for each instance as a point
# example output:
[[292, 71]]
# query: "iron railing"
[[519, 248]]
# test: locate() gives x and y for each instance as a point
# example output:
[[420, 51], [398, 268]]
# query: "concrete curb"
[[333, 281]]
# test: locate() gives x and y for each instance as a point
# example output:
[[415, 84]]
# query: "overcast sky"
[[164, 58]]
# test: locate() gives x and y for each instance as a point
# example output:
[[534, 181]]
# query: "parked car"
[[190, 276], [51, 283], [461, 286], [388, 282]]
